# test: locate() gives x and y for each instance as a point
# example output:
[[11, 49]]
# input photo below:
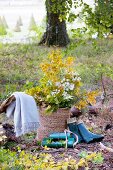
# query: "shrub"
[[60, 85]]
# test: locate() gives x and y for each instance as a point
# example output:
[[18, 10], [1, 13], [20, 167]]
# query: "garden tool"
[[87, 135], [58, 135], [58, 144], [57, 140]]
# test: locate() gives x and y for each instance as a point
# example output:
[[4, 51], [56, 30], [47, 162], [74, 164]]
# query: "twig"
[[110, 95], [103, 147], [53, 151], [103, 84]]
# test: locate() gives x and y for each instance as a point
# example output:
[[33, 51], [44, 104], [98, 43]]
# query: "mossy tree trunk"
[[56, 33]]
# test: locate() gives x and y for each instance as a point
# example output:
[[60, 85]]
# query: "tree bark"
[[56, 33]]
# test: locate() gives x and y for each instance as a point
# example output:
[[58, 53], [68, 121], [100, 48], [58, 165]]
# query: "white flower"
[[78, 79], [75, 74], [58, 84], [67, 96], [71, 86], [63, 80], [74, 78], [53, 93], [49, 83], [66, 86], [67, 80]]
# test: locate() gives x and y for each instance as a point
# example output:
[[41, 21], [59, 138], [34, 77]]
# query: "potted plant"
[[57, 90]]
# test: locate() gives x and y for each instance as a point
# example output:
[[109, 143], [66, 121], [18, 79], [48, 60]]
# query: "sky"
[[25, 10], [13, 9]]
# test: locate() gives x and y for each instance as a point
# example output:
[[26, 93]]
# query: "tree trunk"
[[56, 33], [111, 29]]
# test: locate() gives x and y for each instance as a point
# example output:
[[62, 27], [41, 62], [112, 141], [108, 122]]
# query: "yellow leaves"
[[22, 154], [17, 162], [46, 148], [69, 61], [45, 67], [55, 55], [33, 91], [91, 97], [82, 163], [52, 67], [55, 63], [47, 158], [81, 104], [46, 161], [88, 97], [91, 156], [60, 84], [78, 83]]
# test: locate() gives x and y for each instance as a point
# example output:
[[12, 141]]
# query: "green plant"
[[96, 158], [99, 19], [2, 31], [38, 30], [32, 23], [49, 141], [60, 84], [83, 154], [23, 161]]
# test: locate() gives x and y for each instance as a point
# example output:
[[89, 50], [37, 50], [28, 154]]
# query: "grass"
[[19, 63]]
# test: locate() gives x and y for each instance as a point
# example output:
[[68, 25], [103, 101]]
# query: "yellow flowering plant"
[[60, 84], [86, 98]]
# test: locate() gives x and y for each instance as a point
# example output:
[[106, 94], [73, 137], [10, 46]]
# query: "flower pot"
[[56, 122]]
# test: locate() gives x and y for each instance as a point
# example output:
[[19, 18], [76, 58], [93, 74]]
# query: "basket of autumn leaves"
[[57, 91]]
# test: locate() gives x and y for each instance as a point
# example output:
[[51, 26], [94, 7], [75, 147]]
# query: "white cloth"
[[25, 113]]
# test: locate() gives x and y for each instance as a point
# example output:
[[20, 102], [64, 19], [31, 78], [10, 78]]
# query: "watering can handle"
[[68, 131]]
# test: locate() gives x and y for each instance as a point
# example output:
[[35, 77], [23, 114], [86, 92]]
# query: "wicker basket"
[[56, 122]]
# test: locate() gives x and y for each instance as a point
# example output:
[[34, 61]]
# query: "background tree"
[[100, 19], [4, 22], [32, 24], [17, 27], [20, 21], [56, 33], [2, 27]]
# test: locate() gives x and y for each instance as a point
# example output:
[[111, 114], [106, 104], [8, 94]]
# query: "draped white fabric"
[[25, 113]]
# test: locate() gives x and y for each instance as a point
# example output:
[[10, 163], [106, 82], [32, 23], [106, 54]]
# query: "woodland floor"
[[97, 124], [19, 65]]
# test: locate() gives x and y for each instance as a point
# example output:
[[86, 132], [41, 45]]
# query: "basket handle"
[[65, 131]]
